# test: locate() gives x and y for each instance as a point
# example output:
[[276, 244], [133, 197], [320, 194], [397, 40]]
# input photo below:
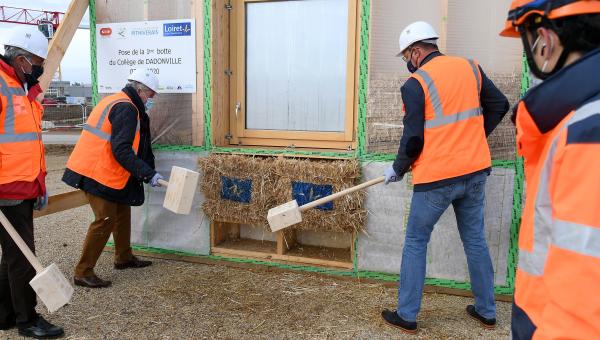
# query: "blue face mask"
[[149, 104]]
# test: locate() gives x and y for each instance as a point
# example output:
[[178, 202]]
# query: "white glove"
[[154, 180], [390, 175]]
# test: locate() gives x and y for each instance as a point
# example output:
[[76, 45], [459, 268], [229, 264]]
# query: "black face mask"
[[411, 68], [32, 78]]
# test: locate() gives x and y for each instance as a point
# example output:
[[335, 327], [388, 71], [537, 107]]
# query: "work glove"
[[154, 181], [41, 202], [390, 175]]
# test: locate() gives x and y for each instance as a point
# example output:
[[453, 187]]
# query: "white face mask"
[[533, 80], [149, 104]]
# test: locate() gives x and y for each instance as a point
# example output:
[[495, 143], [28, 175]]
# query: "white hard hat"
[[417, 31], [146, 77], [28, 38]]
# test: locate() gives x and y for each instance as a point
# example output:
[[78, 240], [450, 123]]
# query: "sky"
[[76, 65]]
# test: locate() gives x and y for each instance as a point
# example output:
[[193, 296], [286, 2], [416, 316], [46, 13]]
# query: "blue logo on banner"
[[307, 192], [237, 190], [177, 29]]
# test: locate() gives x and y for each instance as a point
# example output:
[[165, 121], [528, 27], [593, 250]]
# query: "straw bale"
[[347, 215], [256, 169]]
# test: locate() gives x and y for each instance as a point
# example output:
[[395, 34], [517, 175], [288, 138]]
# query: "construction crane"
[[47, 21]]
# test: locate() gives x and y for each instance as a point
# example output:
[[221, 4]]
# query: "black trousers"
[[521, 326], [17, 298]]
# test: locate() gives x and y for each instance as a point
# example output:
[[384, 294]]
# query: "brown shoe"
[[133, 263], [91, 282]]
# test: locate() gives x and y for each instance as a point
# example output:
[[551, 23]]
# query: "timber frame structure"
[[212, 134]]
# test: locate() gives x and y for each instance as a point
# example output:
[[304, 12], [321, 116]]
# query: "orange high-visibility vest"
[[559, 238], [21, 147], [92, 156], [455, 143]]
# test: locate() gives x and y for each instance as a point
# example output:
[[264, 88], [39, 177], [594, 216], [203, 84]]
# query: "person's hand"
[[41, 202], [390, 175], [154, 181]]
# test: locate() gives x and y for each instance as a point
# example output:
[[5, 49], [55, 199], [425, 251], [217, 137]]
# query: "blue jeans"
[[468, 198]]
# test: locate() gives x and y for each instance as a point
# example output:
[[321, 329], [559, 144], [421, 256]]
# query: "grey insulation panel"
[[157, 227], [380, 247]]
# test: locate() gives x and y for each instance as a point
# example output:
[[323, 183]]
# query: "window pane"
[[296, 57]]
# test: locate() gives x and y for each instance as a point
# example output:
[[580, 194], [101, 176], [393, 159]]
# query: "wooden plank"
[[283, 153], [296, 143], [254, 266], [62, 39], [238, 63], [220, 81], [314, 261], [198, 97], [286, 240], [443, 40], [290, 134], [222, 231], [217, 235], [62, 202], [228, 252], [351, 83]]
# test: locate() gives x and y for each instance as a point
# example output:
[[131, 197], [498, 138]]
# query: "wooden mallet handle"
[[20, 243], [331, 197], [163, 183]]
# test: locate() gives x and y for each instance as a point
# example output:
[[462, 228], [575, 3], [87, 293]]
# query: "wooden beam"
[[198, 97], [286, 240], [62, 202], [220, 87], [443, 41], [262, 268], [62, 39]]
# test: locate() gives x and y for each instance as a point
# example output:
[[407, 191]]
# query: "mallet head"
[[284, 215]]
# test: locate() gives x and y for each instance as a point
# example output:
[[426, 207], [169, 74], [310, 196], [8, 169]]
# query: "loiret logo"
[[105, 31], [177, 29]]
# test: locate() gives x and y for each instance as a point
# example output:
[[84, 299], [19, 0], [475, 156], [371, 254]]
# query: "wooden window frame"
[[345, 140]]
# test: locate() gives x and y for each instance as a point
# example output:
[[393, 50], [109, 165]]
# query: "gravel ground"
[[178, 300]]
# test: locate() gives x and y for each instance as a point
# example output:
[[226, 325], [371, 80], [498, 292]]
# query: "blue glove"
[[390, 175], [154, 181], [41, 202]]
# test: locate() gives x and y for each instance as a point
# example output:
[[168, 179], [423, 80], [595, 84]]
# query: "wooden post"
[[62, 39], [198, 97], [443, 41], [286, 240], [221, 108]]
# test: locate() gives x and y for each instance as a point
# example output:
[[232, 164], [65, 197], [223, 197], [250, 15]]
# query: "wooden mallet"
[[181, 188], [290, 213], [49, 284]]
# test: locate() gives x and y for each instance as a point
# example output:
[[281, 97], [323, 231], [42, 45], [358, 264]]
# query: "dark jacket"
[[493, 103], [123, 119]]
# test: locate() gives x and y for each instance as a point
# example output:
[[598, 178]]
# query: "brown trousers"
[[112, 218]]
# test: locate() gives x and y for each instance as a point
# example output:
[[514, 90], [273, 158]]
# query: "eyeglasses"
[[409, 53]]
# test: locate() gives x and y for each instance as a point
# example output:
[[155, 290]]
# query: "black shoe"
[[6, 326], [133, 263], [393, 319], [41, 329], [486, 323], [91, 282]]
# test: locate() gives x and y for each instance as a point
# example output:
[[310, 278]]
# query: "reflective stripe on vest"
[[97, 130], [9, 135], [441, 119], [578, 238], [568, 235], [533, 262]]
